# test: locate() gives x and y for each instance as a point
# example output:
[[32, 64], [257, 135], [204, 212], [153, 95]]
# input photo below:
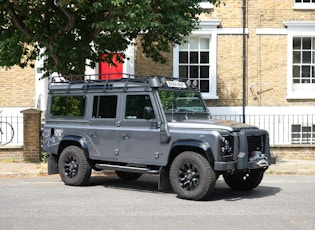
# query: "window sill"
[[301, 95], [207, 96], [206, 5], [304, 6]]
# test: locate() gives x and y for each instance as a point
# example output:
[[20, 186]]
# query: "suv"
[[152, 125]]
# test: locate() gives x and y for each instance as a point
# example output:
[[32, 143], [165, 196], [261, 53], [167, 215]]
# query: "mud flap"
[[52, 164], [164, 179]]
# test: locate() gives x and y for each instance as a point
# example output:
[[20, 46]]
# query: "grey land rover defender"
[[151, 125]]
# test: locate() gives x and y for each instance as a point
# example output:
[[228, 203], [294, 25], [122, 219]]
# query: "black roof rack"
[[111, 81]]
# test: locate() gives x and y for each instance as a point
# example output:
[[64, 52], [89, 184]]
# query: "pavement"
[[287, 167]]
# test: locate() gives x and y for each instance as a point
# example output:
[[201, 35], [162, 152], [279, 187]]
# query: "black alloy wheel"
[[192, 176], [73, 166]]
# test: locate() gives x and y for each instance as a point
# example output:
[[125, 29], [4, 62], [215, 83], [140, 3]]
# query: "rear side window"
[[105, 106], [68, 106]]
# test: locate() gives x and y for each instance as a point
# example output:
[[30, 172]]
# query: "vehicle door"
[[139, 135], [102, 131]]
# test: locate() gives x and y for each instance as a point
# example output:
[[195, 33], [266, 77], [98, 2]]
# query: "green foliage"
[[167, 99], [44, 157], [72, 106], [172, 100], [67, 32]]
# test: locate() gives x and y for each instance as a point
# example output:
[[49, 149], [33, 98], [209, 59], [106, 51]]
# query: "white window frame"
[[304, 5], [207, 29], [297, 29]]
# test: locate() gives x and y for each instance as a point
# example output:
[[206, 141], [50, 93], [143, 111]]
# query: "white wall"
[[259, 110]]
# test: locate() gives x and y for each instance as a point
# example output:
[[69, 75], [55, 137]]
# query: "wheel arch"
[[72, 140], [198, 146]]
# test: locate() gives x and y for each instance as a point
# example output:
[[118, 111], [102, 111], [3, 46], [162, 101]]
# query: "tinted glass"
[[137, 105], [68, 106], [105, 106]]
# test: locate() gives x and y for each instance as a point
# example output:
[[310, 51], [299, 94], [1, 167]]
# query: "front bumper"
[[242, 164]]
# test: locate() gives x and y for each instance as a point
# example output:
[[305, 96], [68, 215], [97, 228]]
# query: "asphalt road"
[[280, 202]]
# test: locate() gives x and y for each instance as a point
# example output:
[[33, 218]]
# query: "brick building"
[[279, 76], [17, 88], [280, 67]]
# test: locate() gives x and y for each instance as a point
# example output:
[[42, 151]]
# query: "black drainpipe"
[[244, 58]]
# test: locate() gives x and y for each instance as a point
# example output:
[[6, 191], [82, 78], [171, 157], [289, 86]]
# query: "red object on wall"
[[110, 71]]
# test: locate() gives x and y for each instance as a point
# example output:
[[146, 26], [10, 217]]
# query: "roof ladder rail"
[[126, 85], [86, 86], [105, 86], [68, 88]]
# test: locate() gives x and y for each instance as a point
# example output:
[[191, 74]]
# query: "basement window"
[[302, 134]]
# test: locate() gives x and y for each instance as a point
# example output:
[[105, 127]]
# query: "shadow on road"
[[144, 184], [149, 183], [223, 192]]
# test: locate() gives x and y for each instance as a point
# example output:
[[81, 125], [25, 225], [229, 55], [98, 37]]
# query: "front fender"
[[190, 144]]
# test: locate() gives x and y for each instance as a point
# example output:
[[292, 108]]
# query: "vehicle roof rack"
[[123, 82]]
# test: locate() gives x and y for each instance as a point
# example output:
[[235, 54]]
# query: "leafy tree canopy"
[[67, 32]]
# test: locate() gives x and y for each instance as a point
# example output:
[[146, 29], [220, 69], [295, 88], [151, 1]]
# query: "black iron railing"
[[284, 129]]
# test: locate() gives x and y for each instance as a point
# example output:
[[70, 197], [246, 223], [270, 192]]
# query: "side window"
[[68, 106], [139, 107], [105, 106]]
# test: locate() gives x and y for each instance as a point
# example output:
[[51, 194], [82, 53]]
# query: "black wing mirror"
[[148, 113]]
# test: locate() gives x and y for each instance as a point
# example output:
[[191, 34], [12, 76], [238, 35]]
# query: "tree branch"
[[69, 26], [48, 4], [18, 22]]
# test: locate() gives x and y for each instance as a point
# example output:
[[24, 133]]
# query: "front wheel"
[[73, 166], [191, 176], [244, 180]]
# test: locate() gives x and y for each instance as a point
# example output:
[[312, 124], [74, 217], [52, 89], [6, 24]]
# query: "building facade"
[[275, 89], [269, 82]]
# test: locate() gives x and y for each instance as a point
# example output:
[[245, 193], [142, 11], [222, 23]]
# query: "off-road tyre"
[[191, 176], [244, 180], [128, 175], [74, 167]]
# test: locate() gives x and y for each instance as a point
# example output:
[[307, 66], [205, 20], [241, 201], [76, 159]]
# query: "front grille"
[[236, 146], [256, 143]]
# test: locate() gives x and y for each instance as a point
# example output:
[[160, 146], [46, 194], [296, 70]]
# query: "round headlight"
[[226, 147]]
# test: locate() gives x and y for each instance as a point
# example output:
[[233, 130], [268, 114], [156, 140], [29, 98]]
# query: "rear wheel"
[[244, 180], [128, 175], [73, 166], [191, 176]]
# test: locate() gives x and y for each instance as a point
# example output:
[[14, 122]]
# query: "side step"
[[163, 183], [126, 168]]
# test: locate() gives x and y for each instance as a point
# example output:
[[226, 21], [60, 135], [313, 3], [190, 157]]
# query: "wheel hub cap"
[[188, 177], [71, 167]]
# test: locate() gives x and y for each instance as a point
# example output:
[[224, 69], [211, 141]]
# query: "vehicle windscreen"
[[183, 105]]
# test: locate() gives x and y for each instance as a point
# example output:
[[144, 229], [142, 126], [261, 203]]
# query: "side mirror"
[[148, 113]]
